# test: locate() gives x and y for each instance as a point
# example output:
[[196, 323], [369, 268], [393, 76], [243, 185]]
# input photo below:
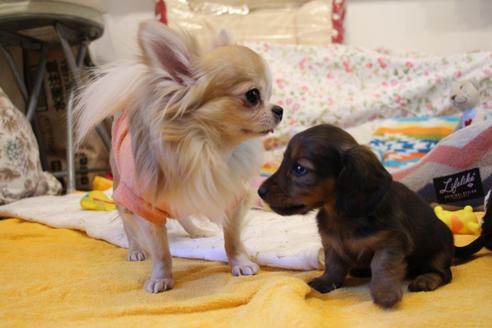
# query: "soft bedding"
[[62, 278], [59, 277], [272, 240]]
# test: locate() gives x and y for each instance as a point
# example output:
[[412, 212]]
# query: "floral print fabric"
[[20, 169], [347, 86]]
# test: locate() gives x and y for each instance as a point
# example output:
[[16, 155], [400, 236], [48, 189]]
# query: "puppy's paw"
[[158, 285], [324, 285], [244, 267], [136, 255], [425, 282], [386, 297]]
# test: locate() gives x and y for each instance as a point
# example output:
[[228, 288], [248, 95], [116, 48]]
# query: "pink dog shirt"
[[127, 191]]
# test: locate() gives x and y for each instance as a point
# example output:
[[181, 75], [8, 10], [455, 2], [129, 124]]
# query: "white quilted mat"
[[272, 240]]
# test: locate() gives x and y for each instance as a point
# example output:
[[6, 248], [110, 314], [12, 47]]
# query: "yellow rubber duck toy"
[[463, 221], [96, 200]]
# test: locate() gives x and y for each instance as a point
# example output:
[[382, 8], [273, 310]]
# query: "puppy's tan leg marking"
[[157, 245], [388, 268], [135, 251], [425, 282], [235, 250], [335, 271], [438, 273]]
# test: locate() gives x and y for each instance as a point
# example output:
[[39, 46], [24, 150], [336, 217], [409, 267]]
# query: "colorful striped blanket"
[[401, 142]]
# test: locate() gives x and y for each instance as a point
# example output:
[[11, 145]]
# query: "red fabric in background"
[[161, 11], [337, 19]]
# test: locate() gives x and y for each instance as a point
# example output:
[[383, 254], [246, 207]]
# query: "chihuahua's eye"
[[299, 170], [253, 97]]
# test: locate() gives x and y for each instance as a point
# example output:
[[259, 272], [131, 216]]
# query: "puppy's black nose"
[[453, 97], [262, 192], [278, 111]]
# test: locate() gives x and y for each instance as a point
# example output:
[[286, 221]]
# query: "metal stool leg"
[[101, 130], [40, 72], [13, 68], [33, 101], [74, 67], [70, 146], [76, 81], [38, 82]]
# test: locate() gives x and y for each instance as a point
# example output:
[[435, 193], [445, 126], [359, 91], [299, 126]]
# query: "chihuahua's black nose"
[[262, 191], [278, 111], [453, 97]]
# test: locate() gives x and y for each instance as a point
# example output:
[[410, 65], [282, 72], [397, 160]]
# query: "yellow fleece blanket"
[[62, 278]]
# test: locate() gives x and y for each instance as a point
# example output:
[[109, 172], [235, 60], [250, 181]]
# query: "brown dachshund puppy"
[[367, 222]]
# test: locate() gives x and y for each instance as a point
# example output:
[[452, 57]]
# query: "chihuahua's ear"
[[167, 51], [361, 184]]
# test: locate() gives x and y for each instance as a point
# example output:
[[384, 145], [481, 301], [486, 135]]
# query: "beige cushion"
[[287, 21]]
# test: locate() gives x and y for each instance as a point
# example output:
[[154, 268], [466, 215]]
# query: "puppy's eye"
[[253, 97], [299, 170]]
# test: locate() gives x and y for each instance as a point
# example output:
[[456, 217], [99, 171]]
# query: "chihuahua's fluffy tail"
[[111, 89], [485, 238]]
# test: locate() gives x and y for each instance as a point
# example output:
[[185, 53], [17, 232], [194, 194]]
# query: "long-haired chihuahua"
[[369, 224], [187, 119]]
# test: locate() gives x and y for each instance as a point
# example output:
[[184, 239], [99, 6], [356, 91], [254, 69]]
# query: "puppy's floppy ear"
[[167, 51], [361, 184]]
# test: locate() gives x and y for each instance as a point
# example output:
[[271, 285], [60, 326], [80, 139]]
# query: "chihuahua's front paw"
[[324, 285], [136, 255], [158, 285], [244, 267]]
